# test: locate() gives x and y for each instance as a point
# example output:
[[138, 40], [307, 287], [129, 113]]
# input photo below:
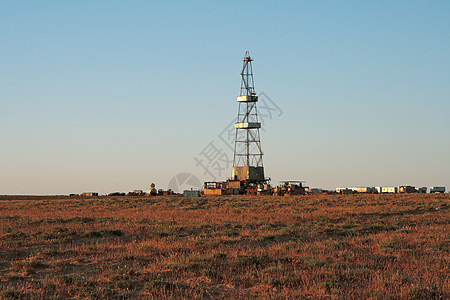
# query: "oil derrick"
[[247, 161], [248, 171]]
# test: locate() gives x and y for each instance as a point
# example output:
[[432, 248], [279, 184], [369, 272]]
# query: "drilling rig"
[[248, 166], [248, 171]]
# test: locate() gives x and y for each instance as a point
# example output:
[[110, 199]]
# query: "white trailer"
[[389, 189]]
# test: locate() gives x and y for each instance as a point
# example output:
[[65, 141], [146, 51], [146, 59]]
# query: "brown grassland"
[[302, 247]]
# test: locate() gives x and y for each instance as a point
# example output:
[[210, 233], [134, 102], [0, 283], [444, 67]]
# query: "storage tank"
[[152, 190]]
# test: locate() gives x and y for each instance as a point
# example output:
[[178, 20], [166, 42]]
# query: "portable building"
[[191, 193], [391, 189], [213, 191], [407, 189], [422, 190], [344, 191], [359, 189], [437, 189]]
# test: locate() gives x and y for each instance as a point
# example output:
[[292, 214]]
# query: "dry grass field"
[[302, 247]]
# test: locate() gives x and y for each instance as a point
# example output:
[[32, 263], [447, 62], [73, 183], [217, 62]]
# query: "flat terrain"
[[303, 247]]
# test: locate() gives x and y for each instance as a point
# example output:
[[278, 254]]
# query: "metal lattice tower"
[[247, 161]]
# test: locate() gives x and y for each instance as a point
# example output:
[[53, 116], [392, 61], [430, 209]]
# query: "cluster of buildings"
[[285, 188], [390, 189], [249, 187], [152, 191]]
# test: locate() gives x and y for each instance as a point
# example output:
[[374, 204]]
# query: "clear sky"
[[113, 95]]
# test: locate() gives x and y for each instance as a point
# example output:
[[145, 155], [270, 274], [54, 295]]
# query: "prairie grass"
[[306, 247]]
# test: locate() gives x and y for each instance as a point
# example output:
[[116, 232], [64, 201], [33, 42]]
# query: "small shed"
[[191, 193]]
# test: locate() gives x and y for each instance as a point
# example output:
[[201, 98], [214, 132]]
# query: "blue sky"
[[113, 95]]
